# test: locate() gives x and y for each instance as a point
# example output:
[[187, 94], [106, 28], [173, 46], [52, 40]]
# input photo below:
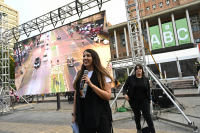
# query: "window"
[[114, 56], [175, 0], [187, 68], [122, 40], [197, 40], [154, 6], [161, 4], [112, 41], [146, 0], [144, 32], [167, 2], [154, 69], [195, 22], [147, 8], [124, 54], [170, 68]]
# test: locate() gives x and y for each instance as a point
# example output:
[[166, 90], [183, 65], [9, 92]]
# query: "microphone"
[[83, 82]]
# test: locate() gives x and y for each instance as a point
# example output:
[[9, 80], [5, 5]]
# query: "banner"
[[48, 63], [182, 31], [155, 37], [168, 34]]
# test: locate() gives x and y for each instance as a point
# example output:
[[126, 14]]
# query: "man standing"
[[197, 64]]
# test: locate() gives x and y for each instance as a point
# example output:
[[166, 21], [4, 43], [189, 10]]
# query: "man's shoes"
[[138, 131]]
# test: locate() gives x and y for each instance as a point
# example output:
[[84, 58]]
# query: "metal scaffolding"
[[53, 17], [4, 65]]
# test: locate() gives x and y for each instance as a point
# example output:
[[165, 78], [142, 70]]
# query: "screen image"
[[48, 63]]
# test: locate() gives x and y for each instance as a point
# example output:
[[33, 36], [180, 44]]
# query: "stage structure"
[[4, 65], [51, 18], [138, 56]]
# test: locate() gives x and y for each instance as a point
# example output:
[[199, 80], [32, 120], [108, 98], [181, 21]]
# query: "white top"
[[84, 90]]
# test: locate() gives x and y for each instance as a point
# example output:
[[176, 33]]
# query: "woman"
[[91, 107], [12, 94], [137, 92]]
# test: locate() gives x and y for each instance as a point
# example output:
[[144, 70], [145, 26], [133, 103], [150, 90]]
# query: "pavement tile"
[[45, 118]]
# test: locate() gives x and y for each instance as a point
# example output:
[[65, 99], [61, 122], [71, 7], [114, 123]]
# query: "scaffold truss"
[[52, 18], [4, 65]]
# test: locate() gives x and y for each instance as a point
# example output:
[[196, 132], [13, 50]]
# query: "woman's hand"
[[73, 118], [126, 97], [87, 80]]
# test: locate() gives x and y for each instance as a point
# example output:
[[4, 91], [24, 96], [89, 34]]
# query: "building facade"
[[13, 16], [157, 13]]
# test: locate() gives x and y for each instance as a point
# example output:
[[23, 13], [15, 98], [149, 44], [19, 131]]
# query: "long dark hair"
[[98, 68], [140, 66]]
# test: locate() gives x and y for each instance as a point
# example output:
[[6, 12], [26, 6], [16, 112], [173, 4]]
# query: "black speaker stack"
[[159, 96], [71, 97]]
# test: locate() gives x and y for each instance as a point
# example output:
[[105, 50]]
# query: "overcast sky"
[[30, 9]]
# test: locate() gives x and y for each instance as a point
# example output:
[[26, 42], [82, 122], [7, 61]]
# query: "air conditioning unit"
[[161, 4], [167, 2], [154, 6]]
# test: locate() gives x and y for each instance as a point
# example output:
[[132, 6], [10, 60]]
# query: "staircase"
[[176, 85], [183, 84]]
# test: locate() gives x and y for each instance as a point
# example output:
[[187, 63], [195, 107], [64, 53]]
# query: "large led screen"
[[48, 63]]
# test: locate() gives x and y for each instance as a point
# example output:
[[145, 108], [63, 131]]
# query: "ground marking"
[[76, 46], [67, 84], [89, 43], [57, 50], [75, 69], [59, 78], [30, 60]]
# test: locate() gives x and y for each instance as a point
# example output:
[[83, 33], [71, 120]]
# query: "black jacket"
[[130, 84]]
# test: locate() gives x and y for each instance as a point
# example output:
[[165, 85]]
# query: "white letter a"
[[156, 40]]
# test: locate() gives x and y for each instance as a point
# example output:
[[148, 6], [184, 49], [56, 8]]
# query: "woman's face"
[[87, 59], [138, 71]]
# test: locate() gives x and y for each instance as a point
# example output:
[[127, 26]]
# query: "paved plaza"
[[45, 119]]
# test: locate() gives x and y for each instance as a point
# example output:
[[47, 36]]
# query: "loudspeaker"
[[161, 98], [70, 97]]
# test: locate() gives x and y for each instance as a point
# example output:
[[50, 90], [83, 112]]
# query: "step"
[[183, 86]]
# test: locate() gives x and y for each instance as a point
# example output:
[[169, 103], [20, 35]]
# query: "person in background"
[[91, 103], [12, 94], [137, 92], [116, 83], [195, 80], [197, 65]]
